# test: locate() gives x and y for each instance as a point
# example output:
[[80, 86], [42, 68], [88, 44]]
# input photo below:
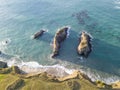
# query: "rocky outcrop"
[[13, 70], [116, 85], [16, 70], [101, 84], [38, 34], [59, 37], [3, 64], [84, 47]]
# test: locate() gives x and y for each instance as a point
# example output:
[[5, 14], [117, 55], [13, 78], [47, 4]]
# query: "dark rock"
[[38, 34], [13, 70], [84, 47], [16, 70], [3, 64], [59, 37]]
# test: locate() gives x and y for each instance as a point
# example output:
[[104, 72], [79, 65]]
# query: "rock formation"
[[38, 34], [3, 64], [84, 47], [59, 37]]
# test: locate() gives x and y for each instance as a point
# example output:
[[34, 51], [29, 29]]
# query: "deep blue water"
[[19, 20]]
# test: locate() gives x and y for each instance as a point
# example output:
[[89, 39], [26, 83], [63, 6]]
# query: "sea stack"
[[59, 37], [84, 47], [38, 34]]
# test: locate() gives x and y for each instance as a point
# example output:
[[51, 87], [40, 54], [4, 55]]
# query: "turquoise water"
[[19, 20]]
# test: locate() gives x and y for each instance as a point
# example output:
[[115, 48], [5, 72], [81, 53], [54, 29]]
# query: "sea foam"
[[68, 31], [35, 67], [4, 43], [57, 70]]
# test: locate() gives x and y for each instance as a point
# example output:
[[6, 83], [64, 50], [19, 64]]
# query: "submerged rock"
[[84, 47], [3, 64], [82, 17], [38, 34], [59, 37]]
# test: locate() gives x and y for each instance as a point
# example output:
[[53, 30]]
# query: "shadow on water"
[[104, 57], [69, 47]]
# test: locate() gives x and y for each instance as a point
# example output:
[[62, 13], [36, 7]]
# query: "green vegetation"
[[2, 76], [15, 81]]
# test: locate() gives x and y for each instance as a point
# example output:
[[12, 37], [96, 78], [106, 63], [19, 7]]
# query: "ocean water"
[[20, 19]]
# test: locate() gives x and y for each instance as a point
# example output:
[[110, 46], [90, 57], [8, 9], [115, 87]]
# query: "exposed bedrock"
[[84, 47], [59, 37], [3, 64], [38, 34]]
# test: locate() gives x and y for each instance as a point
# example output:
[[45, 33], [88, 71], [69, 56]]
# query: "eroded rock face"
[[16, 70], [84, 47], [59, 37], [38, 34], [3, 64]]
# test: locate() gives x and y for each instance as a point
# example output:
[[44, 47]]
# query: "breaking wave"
[[57, 70]]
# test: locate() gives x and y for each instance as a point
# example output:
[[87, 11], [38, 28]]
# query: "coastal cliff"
[[13, 78]]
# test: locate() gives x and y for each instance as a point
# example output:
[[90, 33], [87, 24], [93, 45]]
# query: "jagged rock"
[[84, 47], [38, 34], [3, 64], [16, 70], [59, 37], [13, 70], [101, 84]]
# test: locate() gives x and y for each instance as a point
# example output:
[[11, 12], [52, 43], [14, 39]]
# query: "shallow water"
[[19, 20]]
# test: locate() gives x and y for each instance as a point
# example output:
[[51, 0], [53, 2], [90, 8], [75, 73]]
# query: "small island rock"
[[59, 37], [38, 34], [84, 47]]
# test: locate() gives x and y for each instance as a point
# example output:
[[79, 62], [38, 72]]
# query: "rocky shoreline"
[[3, 64], [12, 78]]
